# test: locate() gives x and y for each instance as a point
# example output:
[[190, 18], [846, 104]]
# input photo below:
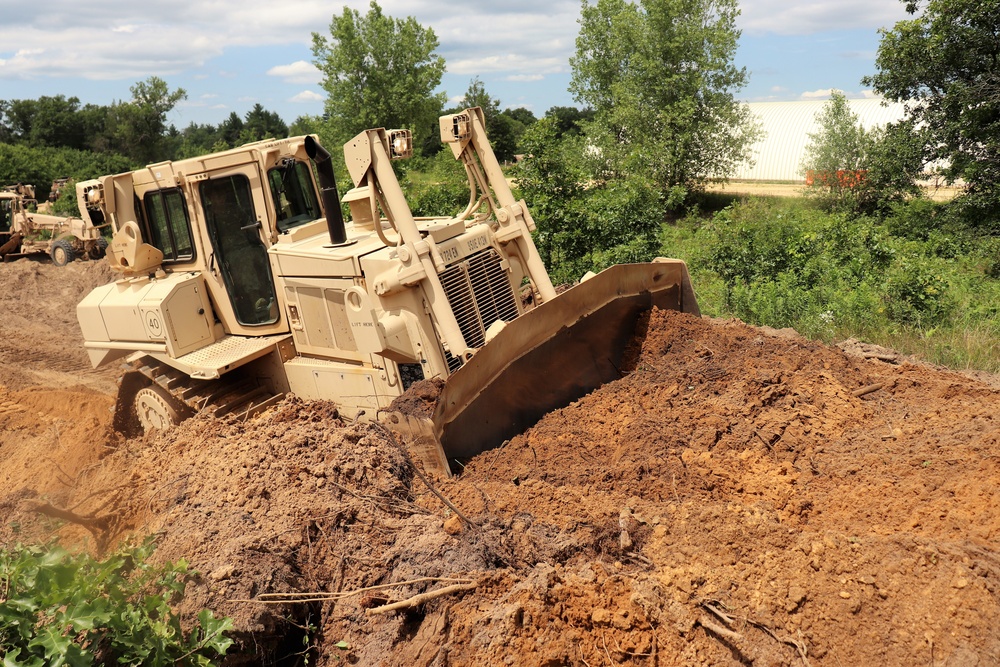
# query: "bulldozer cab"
[[215, 222]]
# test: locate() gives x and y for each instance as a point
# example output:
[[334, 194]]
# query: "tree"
[[659, 75], [570, 120], [551, 181], [379, 72], [499, 129], [264, 124], [231, 129], [837, 153], [520, 114], [944, 65], [140, 125]]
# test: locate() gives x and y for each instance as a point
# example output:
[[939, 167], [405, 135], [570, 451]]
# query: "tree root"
[[99, 526]]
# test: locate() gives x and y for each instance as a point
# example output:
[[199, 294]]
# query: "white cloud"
[[299, 72], [524, 77], [519, 64], [825, 93], [307, 96], [821, 94], [806, 17]]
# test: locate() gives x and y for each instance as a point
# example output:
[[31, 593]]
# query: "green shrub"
[[435, 185], [925, 288], [916, 292], [59, 608]]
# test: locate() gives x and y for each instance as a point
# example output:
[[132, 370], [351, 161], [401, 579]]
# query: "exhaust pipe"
[[328, 191]]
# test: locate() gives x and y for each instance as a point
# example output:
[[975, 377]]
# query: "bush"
[[62, 608], [757, 243], [41, 166], [435, 186], [916, 292]]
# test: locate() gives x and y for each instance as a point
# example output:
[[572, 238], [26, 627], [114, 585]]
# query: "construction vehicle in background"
[[57, 187], [25, 232], [242, 282]]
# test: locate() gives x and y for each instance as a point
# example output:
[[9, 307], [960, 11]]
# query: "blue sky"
[[231, 55]]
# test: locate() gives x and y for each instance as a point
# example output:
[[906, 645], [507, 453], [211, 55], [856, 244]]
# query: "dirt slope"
[[741, 497]]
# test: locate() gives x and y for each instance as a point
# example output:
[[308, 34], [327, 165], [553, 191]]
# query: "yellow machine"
[[24, 232], [241, 282]]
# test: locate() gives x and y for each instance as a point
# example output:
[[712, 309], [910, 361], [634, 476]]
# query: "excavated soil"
[[742, 497]]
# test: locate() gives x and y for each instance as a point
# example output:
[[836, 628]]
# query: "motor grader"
[[24, 232], [241, 282]]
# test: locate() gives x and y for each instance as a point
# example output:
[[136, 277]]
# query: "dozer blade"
[[553, 355]]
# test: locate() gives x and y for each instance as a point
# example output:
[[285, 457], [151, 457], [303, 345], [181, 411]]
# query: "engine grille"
[[480, 294]]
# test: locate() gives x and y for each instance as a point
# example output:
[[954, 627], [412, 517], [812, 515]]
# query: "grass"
[[928, 290]]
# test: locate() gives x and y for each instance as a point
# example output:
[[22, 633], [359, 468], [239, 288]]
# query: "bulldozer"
[[24, 232], [241, 281]]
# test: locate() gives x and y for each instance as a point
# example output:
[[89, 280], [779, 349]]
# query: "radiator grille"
[[480, 294]]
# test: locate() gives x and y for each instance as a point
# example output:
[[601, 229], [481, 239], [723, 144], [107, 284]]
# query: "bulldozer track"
[[234, 394]]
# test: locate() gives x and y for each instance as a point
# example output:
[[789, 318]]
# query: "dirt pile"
[[741, 497]]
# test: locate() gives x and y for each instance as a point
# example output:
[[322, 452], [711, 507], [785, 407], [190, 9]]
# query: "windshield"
[[294, 195]]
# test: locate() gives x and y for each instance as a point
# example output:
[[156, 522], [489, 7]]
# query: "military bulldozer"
[[241, 282], [24, 232]]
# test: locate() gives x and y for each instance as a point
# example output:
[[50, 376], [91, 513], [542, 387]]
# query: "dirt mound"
[[742, 496], [40, 340]]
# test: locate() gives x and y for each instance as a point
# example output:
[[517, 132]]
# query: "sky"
[[229, 56]]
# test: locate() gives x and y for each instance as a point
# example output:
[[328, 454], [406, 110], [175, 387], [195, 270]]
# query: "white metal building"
[[787, 125]]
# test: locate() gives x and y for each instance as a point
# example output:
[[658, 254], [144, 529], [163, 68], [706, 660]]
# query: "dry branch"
[[870, 389], [417, 600], [323, 596]]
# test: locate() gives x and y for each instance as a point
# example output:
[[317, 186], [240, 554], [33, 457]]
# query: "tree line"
[[659, 117]]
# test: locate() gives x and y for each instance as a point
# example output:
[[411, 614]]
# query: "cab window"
[[167, 224], [295, 201]]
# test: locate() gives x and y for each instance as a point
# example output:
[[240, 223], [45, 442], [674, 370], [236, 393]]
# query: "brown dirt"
[[731, 501]]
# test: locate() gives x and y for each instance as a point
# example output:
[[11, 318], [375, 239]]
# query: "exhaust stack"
[[328, 191]]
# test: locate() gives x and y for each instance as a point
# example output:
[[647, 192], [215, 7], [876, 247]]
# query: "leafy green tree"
[[551, 181], [231, 129], [837, 153], [521, 115], [379, 72], [942, 64], [197, 139], [263, 124], [570, 120], [862, 171], [518, 120], [659, 75], [40, 166], [140, 125], [305, 125], [48, 121], [896, 160], [499, 128]]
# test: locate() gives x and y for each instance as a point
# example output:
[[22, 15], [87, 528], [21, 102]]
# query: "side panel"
[[353, 388], [318, 317], [170, 314]]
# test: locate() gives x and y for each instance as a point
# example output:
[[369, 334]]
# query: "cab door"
[[232, 207]]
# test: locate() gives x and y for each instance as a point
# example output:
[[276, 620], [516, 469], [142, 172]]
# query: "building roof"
[[787, 125]]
